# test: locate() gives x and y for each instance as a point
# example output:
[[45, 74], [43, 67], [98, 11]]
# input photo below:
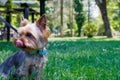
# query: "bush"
[[75, 28], [90, 29], [101, 30]]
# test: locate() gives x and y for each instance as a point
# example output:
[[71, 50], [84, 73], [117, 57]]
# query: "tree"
[[79, 16], [102, 6], [61, 21], [114, 14], [71, 17]]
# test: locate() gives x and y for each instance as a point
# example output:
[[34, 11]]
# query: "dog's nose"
[[19, 43]]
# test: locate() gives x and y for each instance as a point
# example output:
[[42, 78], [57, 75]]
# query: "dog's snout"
[[19, 43]]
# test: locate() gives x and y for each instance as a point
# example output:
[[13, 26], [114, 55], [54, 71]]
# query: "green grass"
[[78, 58]]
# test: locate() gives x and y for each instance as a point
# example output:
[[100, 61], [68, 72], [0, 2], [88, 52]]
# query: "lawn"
[[77, 58]]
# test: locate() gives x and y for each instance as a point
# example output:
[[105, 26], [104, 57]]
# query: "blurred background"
[[85, 36], [66, 18]]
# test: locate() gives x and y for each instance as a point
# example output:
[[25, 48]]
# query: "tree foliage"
[[114, 14], [79, 16], [90, 29]]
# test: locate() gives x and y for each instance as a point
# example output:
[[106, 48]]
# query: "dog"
[[30, 60]]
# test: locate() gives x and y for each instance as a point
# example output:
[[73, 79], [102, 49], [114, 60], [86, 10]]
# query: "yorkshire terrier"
[[29, 62]]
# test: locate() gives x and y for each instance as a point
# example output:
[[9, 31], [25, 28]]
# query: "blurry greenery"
[[75, 28], [90, 29], [101, 30], [77, 58], [114, 14], [53, 16], [79, 16]]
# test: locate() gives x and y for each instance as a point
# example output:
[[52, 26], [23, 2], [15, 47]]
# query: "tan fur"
[[33, 36], [45, 34], [23, 22], [40, 33]]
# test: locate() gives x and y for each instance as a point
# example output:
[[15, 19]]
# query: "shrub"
[[101, 30], [90, 29]]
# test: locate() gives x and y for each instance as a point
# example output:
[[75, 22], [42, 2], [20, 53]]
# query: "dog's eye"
[[28, 35]]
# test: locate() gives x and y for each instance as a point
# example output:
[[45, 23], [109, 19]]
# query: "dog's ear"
[[41, 23], [24, 21]]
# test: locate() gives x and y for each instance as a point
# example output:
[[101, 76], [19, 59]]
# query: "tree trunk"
[[106, 24], [61, 21], [88, 12], [102, 6], [79, 31], [71, 17]]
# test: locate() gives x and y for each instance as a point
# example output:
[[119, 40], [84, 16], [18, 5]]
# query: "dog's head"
[[32, 36]]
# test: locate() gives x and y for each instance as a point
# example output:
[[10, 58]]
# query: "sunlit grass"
[[78, 58]]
